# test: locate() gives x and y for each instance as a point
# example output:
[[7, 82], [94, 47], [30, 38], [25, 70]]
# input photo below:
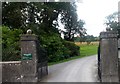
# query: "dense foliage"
[[10, 43], [42, 19], [73, 49]]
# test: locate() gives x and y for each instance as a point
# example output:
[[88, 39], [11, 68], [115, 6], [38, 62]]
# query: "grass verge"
[[85, 50]]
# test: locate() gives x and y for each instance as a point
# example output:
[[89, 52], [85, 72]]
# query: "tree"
[[71, 23], [12, 15], [42, 19], [112, 22], [86, 38], [42, 16], [89, 39]]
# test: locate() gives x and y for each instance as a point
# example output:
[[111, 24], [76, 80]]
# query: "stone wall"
[[11, 71], [30, 68]]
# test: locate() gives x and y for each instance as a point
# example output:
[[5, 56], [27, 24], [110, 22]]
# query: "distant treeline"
[[87, 38]]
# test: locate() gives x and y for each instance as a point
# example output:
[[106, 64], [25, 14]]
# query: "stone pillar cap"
[[109, 34], [28, 37], [29, 31]]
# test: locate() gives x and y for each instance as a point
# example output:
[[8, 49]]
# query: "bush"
[[10, 44], [53, 44], [73, 49], [57, 48], [10, 54]]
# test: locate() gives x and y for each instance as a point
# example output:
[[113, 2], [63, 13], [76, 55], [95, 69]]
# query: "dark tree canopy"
[[42, 16], [42, 19]]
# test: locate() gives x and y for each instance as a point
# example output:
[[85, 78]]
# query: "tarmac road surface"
[[78, 70]]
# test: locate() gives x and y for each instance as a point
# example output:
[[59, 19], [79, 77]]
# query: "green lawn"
[[85, 50]]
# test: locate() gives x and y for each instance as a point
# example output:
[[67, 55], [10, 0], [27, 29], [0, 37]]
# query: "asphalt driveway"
[[79, 70]]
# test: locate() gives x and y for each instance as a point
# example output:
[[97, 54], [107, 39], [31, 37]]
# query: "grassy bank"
[[85, 50]]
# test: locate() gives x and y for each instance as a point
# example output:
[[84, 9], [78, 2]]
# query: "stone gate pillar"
[[29, 58], [109, 56]]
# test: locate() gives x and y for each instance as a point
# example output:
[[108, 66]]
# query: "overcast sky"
[[93, 12]]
